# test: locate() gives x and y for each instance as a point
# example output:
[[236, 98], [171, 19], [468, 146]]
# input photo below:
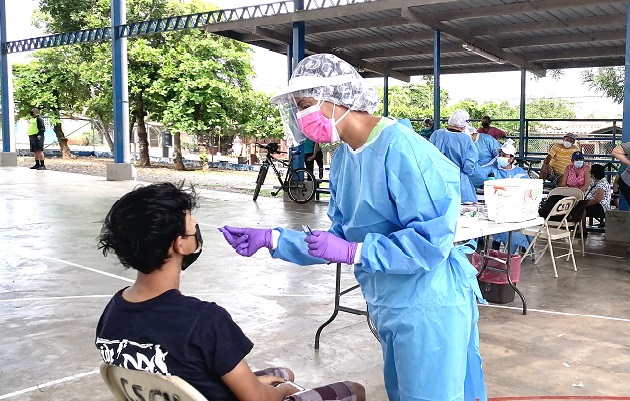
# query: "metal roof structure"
[[395, 37]]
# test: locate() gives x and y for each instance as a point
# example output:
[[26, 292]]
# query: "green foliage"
[[49, 82], [607, 80]]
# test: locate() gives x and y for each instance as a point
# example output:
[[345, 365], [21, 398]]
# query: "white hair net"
[[508, 148], [459, 119], [327, 77]]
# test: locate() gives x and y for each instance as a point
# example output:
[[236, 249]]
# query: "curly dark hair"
[[598, 171], [142, 225]]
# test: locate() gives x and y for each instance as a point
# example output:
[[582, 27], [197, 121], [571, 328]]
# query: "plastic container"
[[512, 200], [497, 293], [495, 271]]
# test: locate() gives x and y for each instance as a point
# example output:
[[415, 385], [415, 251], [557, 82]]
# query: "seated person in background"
[[558, 159], [460, 149], [313, 153], [577, 174], [151, 229], [502, 167], [486, 128], [487, 147], [598, 193], [427, 128]]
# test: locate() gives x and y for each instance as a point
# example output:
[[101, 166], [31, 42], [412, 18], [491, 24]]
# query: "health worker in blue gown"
[[455, 143], [394, 205], [487, 148], [504, 167]]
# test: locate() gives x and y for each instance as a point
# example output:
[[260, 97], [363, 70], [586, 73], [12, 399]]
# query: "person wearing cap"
[[455, 143], [577, 174], [558, 159], [486, 128], [394, 206], [502, 167]]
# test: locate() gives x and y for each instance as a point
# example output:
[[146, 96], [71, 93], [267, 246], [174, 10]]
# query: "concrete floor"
[[54, 284]]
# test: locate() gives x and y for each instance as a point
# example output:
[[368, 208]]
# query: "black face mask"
[[485, 125], [191, 258]]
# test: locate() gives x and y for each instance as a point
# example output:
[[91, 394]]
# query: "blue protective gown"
[[487, 148], [461, 150], [481, 173], [400, 198]]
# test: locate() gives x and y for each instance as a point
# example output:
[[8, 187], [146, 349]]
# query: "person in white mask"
[[559, 158], [502, 167]]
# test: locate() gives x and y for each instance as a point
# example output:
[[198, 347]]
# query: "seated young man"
[[152, 326]]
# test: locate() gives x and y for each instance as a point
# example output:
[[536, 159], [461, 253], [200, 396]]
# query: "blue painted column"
[[8, 140], [625, 133], [386, 96], [120, 85], [521, 129], [436, 79], [297, 56]]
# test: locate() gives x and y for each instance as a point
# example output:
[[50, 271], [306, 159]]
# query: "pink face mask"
[[316, 126]]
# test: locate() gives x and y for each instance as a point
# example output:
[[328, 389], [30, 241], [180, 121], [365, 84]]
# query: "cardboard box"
[[512, 200]]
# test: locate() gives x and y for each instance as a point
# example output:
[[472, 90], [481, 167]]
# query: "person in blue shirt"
[[456, 145], [487, 148], [502, 167], [394, 206]]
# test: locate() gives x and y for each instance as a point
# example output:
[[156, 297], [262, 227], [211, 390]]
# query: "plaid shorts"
[[340, 391], [554, 177]]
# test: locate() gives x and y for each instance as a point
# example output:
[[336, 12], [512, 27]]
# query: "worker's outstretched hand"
[[325, 245], [246, 241]]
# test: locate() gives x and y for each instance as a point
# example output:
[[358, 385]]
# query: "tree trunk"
[[177, 152], [101, 127], [63, 141], [139, 114]]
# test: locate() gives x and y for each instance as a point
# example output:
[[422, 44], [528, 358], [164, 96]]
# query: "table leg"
[[507, 263], [340, 308]]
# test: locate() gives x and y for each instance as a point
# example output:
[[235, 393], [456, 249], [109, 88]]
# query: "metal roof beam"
[[357, 8], [313, 48], [411, 51], [605, 20], [444, 61], [589, 52], [561, 64], [464, 70], [563, 39], [364, 24], [371, 40], [465, 36], [515, 8]]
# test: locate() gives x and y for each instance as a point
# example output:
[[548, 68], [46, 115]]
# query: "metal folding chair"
[[573, 226]]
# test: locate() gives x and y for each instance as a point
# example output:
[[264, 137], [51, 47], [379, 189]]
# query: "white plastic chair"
[[573, 226], [551, 233], [127, 384]]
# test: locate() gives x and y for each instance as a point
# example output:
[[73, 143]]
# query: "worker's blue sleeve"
[[292, 248], [472, 156]]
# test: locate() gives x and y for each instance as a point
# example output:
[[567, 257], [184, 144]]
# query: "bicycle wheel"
[[299, 188], [262, 174]]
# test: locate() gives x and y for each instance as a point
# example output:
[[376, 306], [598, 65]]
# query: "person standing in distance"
[[35, 131]]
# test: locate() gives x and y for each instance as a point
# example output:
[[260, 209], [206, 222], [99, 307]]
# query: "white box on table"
[[512, 200]]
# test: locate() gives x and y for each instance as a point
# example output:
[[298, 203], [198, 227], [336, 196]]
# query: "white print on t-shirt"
[[132, 355]]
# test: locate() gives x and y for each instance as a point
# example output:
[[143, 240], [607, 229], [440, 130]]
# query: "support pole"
[[521, 130], [436, 79], [8, 157], [122, 168], [625, 129], [296, 57], [385, 95]]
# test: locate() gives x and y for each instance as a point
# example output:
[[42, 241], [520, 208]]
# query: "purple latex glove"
[[325, 245], [246, 241]]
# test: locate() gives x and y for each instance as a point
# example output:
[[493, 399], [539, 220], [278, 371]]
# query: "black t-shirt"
[[174, 334]]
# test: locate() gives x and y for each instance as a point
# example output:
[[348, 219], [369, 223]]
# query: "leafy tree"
[[607, 80], [50, 83]]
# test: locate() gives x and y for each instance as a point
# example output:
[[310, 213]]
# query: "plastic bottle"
[[491, 176]]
